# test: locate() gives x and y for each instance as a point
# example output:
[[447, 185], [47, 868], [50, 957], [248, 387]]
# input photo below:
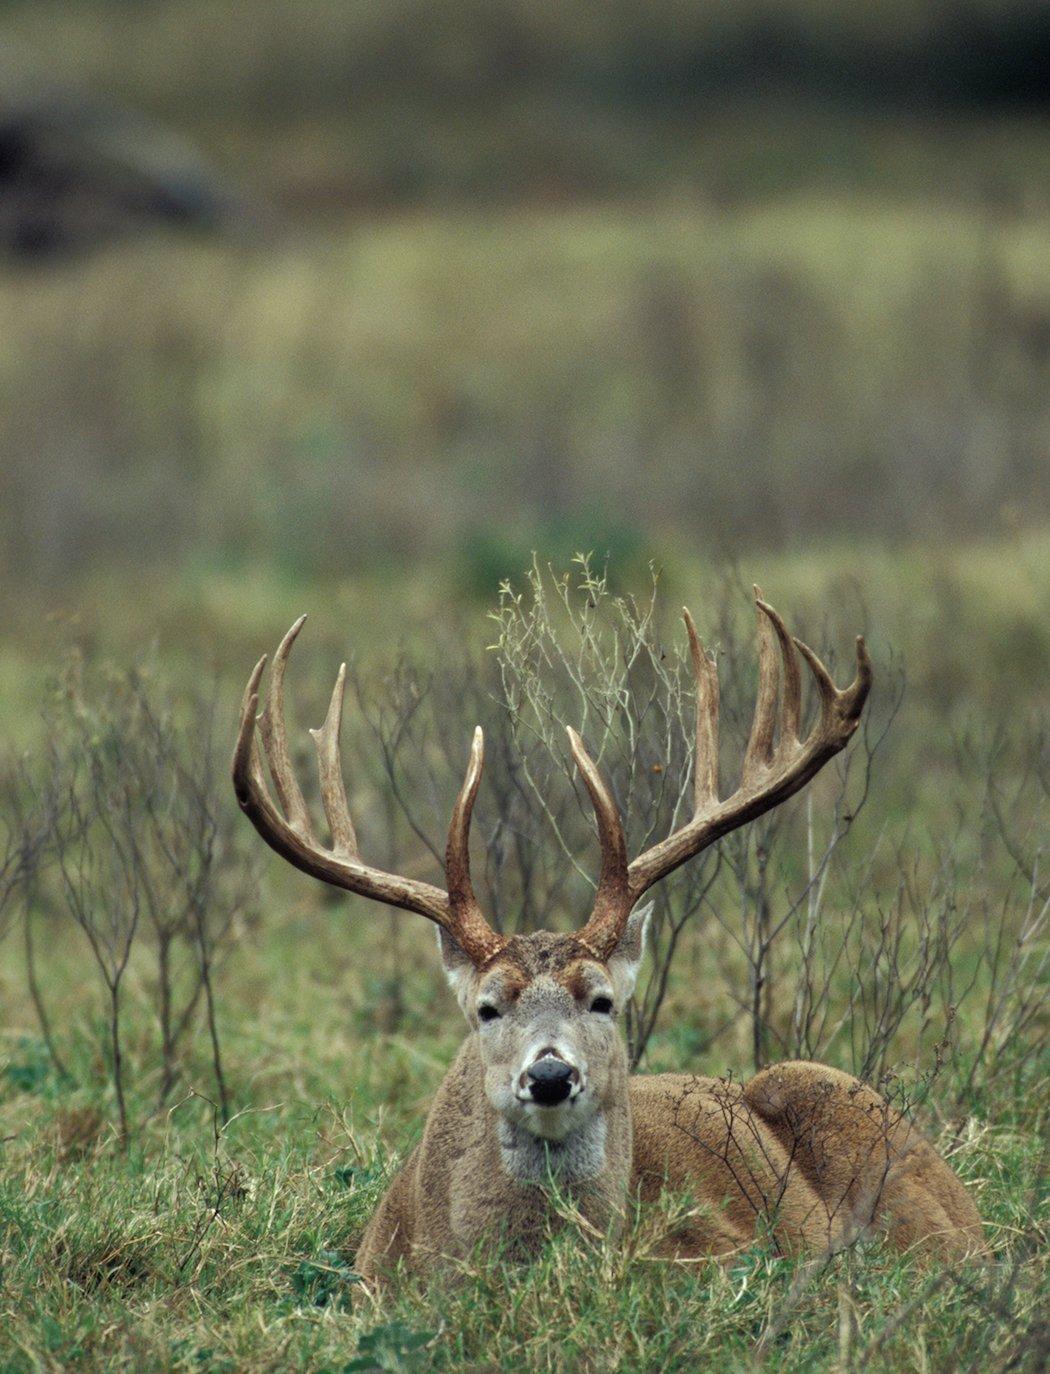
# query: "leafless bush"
[[1013, 915], [28, 815], [570, 652], [825, 940], [31, 813], [141, 856]]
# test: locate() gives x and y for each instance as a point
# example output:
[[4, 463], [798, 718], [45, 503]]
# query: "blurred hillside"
[[617, 276], [337, 100]]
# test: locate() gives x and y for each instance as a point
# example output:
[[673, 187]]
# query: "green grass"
[[236, 1255], [964, 617], [811, 341], [458, 385], [233, 1250]]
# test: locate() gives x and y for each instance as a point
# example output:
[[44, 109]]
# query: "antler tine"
[[759, 752], [275, 740], [839, 710], [825, 684], [467, 925], [457, 851], [850, 701], [612, 903], [705, 763], [246, 765], [249, 777], [290, 834], [791, 703], [329, 767], [774, 767], [612, 879]]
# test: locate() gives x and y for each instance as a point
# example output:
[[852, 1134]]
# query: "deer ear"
[[459, 968], [626, 959]]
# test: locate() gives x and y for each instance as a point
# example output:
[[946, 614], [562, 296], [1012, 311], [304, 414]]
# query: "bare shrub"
[[28, 816], [811, 937], [1012, 909], [569, 651], [807, 935], [144, 859], [31, 813]]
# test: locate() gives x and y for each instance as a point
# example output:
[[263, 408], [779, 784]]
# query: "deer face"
[[545, 1012]]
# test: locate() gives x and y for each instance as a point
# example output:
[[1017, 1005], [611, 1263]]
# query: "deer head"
[[544, 1006]]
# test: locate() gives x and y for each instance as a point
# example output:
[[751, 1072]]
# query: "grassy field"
[[217, 1246], [463, 385], [753, 293]]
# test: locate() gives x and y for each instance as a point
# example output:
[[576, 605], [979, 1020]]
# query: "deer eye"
[[602, 1005], [487, 1012]]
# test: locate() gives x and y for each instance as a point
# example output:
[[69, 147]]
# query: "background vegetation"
[[754, 293]]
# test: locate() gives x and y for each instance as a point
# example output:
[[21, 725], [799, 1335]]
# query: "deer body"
[[802, 1152], [538, 1108]]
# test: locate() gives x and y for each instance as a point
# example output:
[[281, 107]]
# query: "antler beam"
[[288, 829], [777, 764]]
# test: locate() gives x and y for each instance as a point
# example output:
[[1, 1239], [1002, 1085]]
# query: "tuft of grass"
[[139, 1264]]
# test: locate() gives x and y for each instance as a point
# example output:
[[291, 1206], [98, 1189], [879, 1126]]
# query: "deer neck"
[[582, 1157]]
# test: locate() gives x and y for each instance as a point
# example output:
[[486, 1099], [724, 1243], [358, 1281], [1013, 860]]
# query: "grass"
[[235, 1252], [965, 616], [462, 383], [231, 1248], [811, 339]]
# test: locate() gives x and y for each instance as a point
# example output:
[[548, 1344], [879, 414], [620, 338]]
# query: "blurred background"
[[317, 290], [344, 307]]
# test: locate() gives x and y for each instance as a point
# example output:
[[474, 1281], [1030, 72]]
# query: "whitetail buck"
[[540, 1090]]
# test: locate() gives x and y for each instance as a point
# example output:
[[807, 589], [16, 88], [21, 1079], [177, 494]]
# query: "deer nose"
[[550, 1080]]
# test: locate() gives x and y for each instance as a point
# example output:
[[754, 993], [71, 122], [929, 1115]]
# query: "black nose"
[[550, 1081]]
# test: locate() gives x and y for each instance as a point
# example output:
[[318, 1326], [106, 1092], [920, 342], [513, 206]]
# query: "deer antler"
[[288, 828], [777, 764]]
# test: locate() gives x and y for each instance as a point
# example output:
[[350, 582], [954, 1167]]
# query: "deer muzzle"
[[549, 1081]]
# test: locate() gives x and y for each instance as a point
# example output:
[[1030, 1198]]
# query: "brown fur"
[[540, 1090], [452, 1190], [801, 1152]]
